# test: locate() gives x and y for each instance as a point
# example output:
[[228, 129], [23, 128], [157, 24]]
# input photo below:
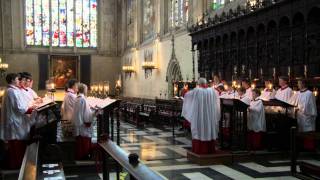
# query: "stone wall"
[[138, 85]]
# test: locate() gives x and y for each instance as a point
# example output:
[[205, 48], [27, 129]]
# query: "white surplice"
[[248, 93], [82, 114], [256, 120], [201, 107], [307, 110], [284, 94], [14, 121], [267, 94], [68, 105]]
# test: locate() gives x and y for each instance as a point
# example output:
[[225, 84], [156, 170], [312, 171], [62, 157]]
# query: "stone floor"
[[167, 156]]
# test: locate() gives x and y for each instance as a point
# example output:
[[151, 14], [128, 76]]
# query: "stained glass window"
[[61, 23], [216, 4], [179, 12]]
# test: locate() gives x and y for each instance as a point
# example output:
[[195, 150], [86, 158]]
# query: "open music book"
[[45, 102], [99, 103]]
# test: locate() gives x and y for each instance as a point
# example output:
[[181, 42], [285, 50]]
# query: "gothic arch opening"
[[173, 74]]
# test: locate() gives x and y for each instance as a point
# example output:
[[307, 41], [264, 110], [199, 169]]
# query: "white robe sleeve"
[[82, 114], [257, 122], [311, 106], [187, 105]]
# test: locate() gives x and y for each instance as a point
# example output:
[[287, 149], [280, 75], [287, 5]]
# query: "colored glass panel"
[[62, 23], [29, 23], [93, 23], [69, 21], [79, 23], [45, 23], [70, 24], [55, 23], [37, 22]]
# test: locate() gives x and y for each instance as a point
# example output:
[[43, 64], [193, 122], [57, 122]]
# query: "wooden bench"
[[136, 171], [146, 112]]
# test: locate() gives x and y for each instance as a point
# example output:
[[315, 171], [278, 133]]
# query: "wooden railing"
[[35, 166], [307, 170], [137, 171]]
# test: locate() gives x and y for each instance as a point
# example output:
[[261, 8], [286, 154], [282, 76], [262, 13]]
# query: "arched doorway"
[[173, 70], [173, 74]]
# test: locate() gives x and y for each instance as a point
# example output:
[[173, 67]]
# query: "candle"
[[315, 93], [270, 86], [253, 86], [234, 83], [106, 88], [274, 72], [305, 67], [226, 87], [100, 86]]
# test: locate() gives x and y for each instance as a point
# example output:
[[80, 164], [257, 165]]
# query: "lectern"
[[279, 122], [236, 110]]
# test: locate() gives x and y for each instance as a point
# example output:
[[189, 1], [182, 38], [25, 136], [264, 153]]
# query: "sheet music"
[[99, 103], [45, 102]]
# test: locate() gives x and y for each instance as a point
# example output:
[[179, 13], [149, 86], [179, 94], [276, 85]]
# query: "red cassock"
[[254, 140], [16, 150], [83, 147], [201, 107], [203, 147]]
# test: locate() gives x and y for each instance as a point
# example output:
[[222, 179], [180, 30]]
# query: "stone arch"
[[173, 74]]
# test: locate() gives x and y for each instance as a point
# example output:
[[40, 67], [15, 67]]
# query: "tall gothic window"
[[131, 10], [179, 12], [61, 23]]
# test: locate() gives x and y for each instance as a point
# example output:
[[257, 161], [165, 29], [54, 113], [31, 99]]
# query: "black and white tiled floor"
[[158, 150]]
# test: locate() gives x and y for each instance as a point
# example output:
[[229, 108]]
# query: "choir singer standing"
[[201, 107], [306, 113], [82, 118]]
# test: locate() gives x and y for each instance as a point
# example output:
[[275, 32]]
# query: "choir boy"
[[285, 92], [67, 108], [268, 92], [306, 113], [246, 85], [216, 81], [14, 121], [28, 86], [242, 95], [256, 121], [201, 107], [69, 99], [82, 118]]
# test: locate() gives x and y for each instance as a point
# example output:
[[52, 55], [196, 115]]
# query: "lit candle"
[[305, 70], [226, 87], [100, 87], [315, 93], [274, 72], [52, 85], [234, 83], [253, 86], [270, 86]]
